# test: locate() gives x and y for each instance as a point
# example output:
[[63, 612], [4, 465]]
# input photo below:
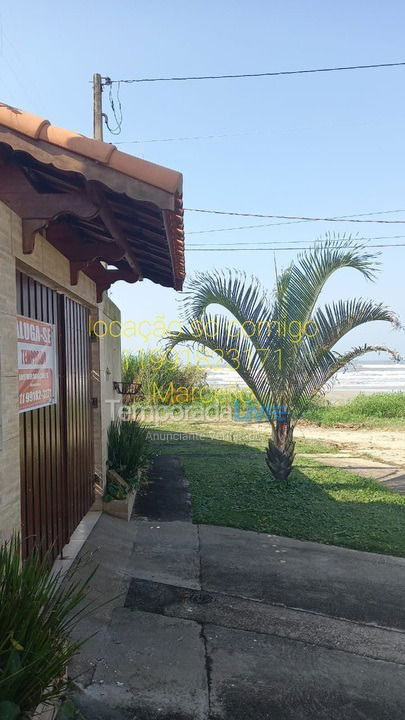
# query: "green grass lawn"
[[231, 486]]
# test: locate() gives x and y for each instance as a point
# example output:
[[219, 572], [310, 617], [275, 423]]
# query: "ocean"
[[366, 377]]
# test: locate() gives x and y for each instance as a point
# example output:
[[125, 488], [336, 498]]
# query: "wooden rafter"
[[81, 254], [38, 209], [85, 218], [97, 196], [105, 277]]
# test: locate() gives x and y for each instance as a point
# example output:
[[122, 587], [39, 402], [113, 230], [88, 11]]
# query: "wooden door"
[[79, 435], [56, 443]]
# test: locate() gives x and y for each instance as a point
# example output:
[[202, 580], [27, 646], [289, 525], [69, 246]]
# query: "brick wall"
[[9, 429]]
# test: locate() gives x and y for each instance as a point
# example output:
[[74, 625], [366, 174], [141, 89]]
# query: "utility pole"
[[97, 107]]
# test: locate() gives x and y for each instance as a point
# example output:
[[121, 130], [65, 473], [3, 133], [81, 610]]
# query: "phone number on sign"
[[215, 359], [36, 396]]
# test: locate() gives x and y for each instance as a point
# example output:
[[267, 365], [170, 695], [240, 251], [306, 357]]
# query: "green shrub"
[[127, 453], [154, 369], [361, 407], [382, 405], [37, 614]]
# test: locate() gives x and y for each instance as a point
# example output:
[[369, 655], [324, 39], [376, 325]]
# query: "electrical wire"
[[290, 222], [238, 133], [262, 74], [248, 243], [241, 133], [191, 137], [294, 248], [294, 217], [117, 112]]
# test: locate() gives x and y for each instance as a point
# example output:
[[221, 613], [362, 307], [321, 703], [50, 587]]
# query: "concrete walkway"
[[223, 624]]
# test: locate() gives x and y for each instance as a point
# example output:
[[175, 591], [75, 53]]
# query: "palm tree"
[[282, 346]]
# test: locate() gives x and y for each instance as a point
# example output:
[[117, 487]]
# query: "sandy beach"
[[385, 445], [338, 397]]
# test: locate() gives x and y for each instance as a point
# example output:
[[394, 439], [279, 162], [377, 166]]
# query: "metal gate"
[[56, 442]]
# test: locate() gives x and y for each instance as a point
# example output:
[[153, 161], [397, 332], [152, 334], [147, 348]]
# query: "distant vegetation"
[[376, 409], [154, 370]]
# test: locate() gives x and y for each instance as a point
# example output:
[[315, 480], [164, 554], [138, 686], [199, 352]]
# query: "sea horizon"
[[367, 376]]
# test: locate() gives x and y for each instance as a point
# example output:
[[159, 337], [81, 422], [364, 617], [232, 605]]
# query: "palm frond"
[[331, 323], [225, 338], [323, 374], [314, 267], [356, 352], [233, 290]]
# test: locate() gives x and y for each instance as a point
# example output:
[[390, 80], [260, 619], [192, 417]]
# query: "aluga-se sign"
[[37, 369]]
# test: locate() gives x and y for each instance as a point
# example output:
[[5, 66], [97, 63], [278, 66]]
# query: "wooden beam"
[[38, 209], [79, 252], [104, 278], [96, 195], [18, 193], [29, 230]]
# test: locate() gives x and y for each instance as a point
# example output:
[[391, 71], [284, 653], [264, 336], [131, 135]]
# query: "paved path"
[[391, 476], [214, 623]]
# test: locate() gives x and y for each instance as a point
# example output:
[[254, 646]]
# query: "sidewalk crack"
[[208, 660]]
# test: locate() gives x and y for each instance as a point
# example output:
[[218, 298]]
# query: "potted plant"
[[126, 464]]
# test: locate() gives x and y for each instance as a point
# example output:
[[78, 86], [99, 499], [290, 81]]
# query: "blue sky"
[[325, 145]]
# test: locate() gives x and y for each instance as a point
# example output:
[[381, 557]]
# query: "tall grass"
[[380, 406]]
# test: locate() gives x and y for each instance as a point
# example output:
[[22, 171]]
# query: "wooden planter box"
[[46, 712], [120, 508]]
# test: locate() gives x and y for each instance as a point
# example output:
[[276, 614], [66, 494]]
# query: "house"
[[76, 215]]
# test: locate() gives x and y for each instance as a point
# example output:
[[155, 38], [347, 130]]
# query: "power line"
[[192, 137], [117, 112], [239, 133], [246, 133], [295, 217], [262, 74], [291, 222], [248, 243], [308, 247]]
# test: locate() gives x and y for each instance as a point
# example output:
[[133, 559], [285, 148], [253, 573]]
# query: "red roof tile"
[[169, 181], [40, 129]]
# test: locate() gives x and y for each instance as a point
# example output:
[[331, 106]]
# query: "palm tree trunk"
[[280, 452]]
